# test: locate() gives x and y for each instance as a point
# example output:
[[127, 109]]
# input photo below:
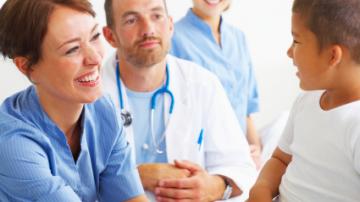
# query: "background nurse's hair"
[[333, 22], [23, 25], [108, 6]]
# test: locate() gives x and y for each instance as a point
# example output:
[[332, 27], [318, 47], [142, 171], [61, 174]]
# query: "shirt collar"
[[200, 24], [42, 120]]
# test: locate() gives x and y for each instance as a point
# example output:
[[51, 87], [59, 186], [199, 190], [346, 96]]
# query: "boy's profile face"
[[311, 63]]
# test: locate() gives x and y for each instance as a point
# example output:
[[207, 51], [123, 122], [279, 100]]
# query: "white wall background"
[[267, 27]]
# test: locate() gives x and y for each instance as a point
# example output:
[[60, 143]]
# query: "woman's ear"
[[22, 63]]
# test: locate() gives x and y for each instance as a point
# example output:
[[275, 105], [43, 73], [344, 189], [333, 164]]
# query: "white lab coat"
[[200, 103]]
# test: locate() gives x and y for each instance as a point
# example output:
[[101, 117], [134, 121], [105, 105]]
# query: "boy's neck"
[[346, 88]]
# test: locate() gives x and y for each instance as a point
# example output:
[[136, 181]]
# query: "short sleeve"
[[252, 88], [356, 155], [355, 145], [25, 173], [253, 96], [288, 134]]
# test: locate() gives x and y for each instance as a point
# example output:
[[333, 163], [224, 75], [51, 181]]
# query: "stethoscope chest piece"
[[126, 118]]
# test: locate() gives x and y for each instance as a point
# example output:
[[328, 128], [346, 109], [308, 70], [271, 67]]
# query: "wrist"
[[218, 189]]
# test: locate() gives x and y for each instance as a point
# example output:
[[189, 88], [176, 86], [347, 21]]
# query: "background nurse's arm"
[[254, 141]]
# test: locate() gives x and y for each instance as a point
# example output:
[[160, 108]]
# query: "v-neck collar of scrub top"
[[201, 24]]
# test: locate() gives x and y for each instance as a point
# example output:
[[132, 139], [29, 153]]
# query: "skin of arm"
[[254, 142], [267, 184], [151, 173], [200, 186]]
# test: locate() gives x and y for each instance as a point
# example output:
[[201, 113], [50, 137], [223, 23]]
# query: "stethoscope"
[[126, 115]]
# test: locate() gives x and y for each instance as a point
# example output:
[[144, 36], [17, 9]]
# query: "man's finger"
[[183, 183], [172, 193], [188, 165]]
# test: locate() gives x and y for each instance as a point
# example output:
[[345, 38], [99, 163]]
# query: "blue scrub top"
[[37, 163], [231, 62]]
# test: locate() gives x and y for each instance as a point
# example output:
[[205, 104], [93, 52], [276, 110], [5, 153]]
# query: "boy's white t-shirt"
[[325, 149]]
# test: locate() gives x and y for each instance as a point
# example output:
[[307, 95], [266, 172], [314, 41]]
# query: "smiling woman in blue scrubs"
[[203, 37], [59, 139]]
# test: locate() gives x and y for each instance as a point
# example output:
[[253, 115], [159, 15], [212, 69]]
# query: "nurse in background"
[[204, 38], [59, 139]]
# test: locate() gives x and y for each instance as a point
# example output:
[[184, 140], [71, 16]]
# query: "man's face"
[[141, 31]]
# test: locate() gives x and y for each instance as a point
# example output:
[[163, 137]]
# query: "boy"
[[318, 157]]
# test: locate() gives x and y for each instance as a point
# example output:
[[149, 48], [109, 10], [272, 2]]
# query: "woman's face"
[[210, 8], [72, 52]]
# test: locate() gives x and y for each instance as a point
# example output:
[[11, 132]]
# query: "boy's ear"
[[110, 36], [336, 55], [22, 63]]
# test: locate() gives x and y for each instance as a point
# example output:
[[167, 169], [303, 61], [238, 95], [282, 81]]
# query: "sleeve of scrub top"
[[253, 95], [226, 150], [120, 180], [26, 175]]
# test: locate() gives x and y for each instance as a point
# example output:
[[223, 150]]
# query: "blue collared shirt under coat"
[[37, 163], [193, 40]]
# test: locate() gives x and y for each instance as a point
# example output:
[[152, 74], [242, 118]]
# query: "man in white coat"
[[186, 138]]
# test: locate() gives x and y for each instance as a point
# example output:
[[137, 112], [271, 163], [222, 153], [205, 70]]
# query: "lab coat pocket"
[[195, 143]]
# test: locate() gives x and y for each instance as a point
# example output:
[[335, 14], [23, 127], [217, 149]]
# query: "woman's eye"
[[72, 50]]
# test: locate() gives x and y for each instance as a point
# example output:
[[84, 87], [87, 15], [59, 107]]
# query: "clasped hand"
[[183, 181]]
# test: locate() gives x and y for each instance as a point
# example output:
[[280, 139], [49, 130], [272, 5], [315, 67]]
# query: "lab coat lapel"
[[176, 139], [128, 130]]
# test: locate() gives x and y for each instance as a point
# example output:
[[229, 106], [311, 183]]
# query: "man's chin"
[[146, 59]]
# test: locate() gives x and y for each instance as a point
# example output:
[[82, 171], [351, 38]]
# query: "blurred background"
[[266, 25]]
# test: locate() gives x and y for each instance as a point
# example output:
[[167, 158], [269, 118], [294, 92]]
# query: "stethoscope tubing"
[[126, 116]]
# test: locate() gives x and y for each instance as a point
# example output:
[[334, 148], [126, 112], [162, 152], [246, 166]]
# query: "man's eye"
[[95, 37]]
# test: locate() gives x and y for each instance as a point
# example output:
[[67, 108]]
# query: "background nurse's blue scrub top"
[[193, 40]]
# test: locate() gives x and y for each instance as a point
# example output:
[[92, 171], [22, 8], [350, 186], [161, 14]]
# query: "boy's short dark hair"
[[108, 6], [333, 22], [24, 23]]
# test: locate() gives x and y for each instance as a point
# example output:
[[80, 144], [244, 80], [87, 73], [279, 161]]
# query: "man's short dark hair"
[[109, 11]]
